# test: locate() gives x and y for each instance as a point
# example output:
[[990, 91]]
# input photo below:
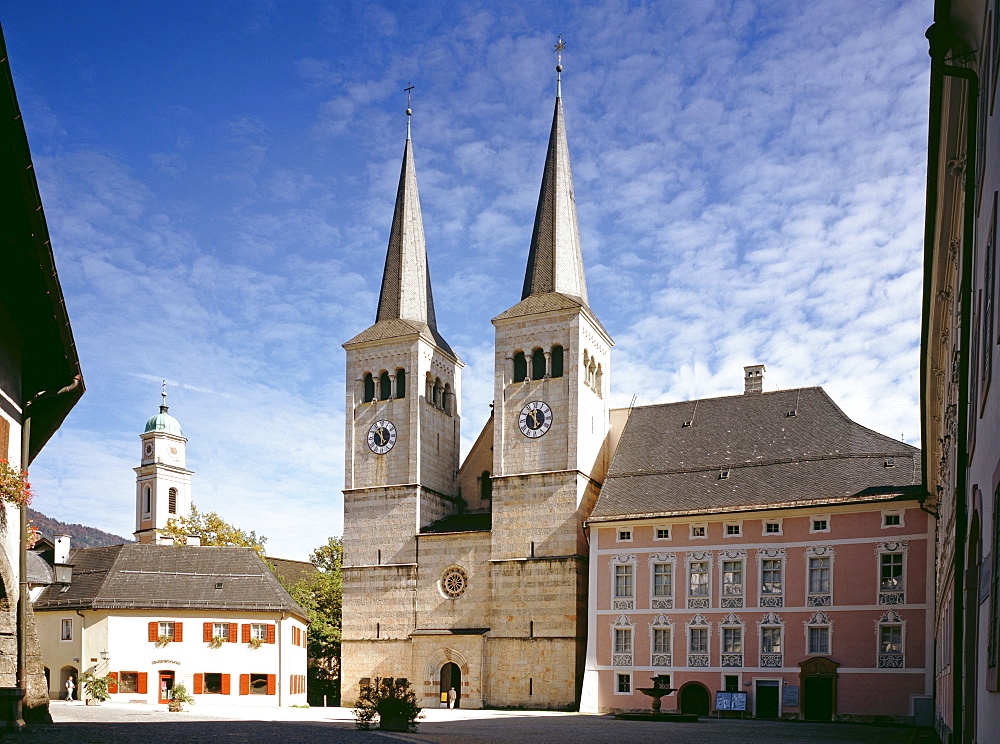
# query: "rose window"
[[454, 582]]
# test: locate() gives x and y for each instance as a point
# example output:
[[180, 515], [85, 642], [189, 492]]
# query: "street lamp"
[[105, 656]]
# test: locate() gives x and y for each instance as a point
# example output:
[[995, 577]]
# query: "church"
[[488, 575]]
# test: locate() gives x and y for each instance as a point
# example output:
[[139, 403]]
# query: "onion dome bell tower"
[[163, 482]]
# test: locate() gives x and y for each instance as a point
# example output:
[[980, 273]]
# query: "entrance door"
[[166, 689], [451, 676], [694, 699], [766, 692], [817, 699]]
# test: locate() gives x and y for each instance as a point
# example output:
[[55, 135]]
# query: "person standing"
[[452, 696], [70, 687]]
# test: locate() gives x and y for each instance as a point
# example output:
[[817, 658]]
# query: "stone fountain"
[[661, 686]]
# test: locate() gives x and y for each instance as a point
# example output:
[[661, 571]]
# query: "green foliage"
[[320, 595], [394, 704], [97, 687], [179, 696], [213, 530]]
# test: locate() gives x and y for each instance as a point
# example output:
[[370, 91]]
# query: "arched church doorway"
[[451, 676], [64, 674], [694, 698]]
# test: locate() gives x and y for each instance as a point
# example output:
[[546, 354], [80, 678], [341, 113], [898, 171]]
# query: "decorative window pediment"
[[624, 621], [731, 555], [731, 619], [662, 621], [818, 618], [771, 618], [896, 546], [698, 619], [699, 555]]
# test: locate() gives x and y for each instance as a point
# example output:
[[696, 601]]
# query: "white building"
[[154, 614]]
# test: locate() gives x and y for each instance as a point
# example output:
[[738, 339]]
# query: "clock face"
[[381, 437], [147, 449], [535, 419]]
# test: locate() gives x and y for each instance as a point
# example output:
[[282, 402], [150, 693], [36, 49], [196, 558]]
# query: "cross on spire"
[[163, 392], [409, 111], [560, 46]]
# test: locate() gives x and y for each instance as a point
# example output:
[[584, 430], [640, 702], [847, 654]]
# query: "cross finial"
[[163, 392], [409, 111], [560, 46]]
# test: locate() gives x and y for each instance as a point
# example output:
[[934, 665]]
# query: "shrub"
[[392, 701], [178, 698], [97, 687]]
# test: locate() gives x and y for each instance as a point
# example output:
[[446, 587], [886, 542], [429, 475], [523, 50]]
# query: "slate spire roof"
[[778, 449], [405, 303], [555, 263]]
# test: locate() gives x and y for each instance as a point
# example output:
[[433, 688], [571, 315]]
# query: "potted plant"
[[179, 696], [217, 641], [256, 642], [96, 688], [14, 486], [393, 702], [163, 641]]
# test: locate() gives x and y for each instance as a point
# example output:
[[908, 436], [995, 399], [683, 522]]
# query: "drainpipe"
[[942, 39], [22, 558]]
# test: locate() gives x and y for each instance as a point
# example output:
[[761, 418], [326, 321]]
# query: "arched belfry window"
[[384, 386], [520, 367], [369, 388], [485, 485], [537, 364], [429, 388], [598, 376], [557, 361], [446, 398], [438, 390], [172, 500], [400, 383], [146, 499]]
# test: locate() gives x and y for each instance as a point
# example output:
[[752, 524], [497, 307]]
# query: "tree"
[[213, 530], [319, 594]]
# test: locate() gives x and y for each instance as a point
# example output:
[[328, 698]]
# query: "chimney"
[[753, 378], [194, 539], [61, 554], [165, 540]]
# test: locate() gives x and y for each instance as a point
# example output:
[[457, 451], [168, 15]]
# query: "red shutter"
[[246, 633], [225, 684], [207, 635], [244, 684], [113, 685], [199, 683], [142, 683], [178, 632], [270, 684], [154, 631], [270, 635], [233, 630]]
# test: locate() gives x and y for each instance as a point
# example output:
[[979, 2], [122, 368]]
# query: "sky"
[[218, 180]]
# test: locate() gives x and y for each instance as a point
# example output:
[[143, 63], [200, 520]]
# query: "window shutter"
[[244, 683], [246, 633], [113, 685], [178, 632], [270, 684], [270, 634], [141, 684], [233, 631], [199, 683], [207, 636], [154, 631], [225, 684]]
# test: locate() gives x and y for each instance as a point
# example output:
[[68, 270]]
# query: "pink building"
[[763, 544]]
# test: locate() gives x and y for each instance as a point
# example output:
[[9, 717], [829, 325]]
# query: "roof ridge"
[[765, 463]]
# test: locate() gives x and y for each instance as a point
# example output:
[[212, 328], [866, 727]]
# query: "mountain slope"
[[80, 535]]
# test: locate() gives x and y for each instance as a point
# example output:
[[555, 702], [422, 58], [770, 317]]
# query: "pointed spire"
[[406, 282], [555, 262]]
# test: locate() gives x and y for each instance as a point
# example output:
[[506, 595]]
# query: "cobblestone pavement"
[[118, 723]]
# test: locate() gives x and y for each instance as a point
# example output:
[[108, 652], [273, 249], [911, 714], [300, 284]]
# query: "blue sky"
[[218, 179]]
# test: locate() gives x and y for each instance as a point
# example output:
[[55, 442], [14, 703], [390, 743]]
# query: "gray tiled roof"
[[136, 576], [398, 328], [39, 571], [816, 456]]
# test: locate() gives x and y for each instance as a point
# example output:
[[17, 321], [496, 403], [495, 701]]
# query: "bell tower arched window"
[[446, 398], [172, 501], [400, 383], [146, 499], [485, 486], [557, 361], [369, 388], [537, 364], [520, 367], [438, 390], [384, 386]]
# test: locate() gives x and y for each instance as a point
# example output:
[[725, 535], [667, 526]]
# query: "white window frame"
[[727, 526], [707, 563], [819, 620], [652, 583], [781, 576], [886, 513], [223, 634], [656, 532], [704, 531], [723, 560], [167, 628], [698, 622], [64, 625], [708, 639], [258, 631], [665, 658], [622, 658], [819, 598], [781, 638], [890, 619], [618, 678], [623, 534], [766, 522], [813, 529], [892, 547]]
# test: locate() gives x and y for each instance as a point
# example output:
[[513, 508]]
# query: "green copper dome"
[[164, 422]]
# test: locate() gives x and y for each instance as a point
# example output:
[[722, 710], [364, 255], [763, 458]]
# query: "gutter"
[[942, 39]]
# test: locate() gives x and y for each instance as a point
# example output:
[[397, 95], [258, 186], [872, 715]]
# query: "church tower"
[[402, 447], [162, 480], [551, 423]]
